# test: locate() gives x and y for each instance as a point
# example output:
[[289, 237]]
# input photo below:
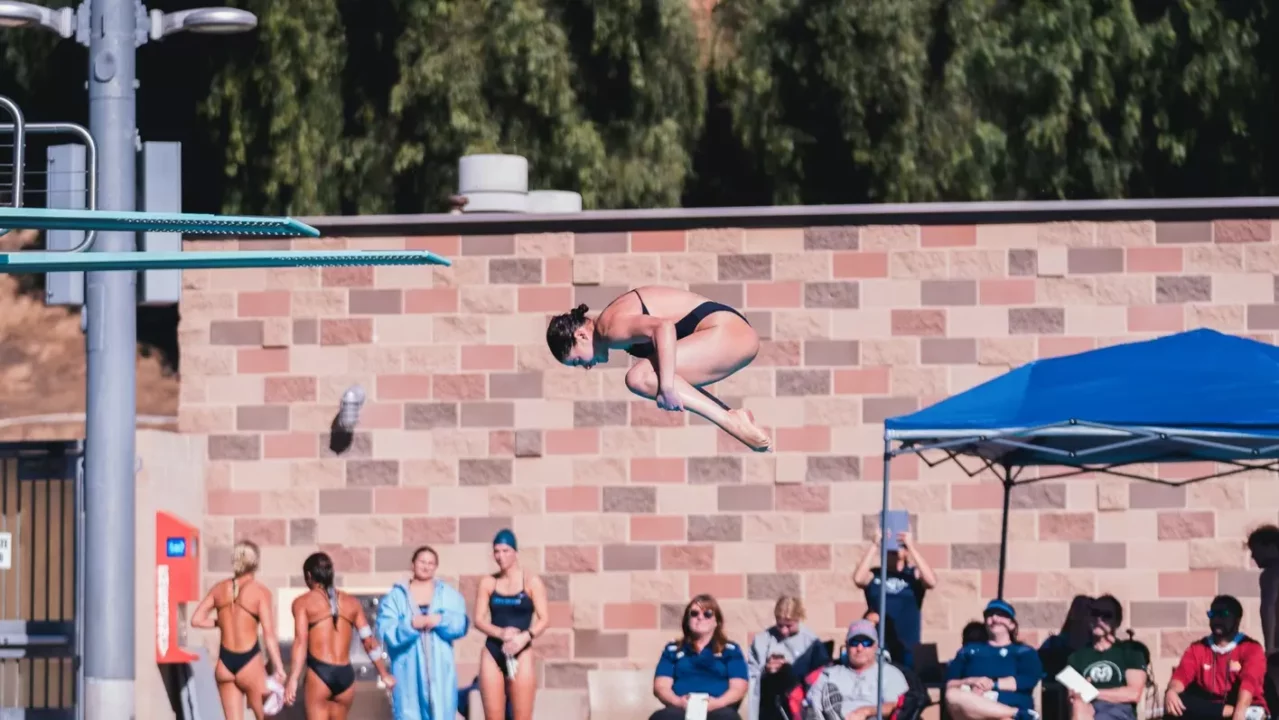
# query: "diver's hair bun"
[[579, 312]]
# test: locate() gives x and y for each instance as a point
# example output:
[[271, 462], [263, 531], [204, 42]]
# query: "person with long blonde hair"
[[781, 661], [239, 607]]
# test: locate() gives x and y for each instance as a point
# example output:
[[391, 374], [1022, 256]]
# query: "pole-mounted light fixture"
[[155, 24], [206, 21], [14, 14]]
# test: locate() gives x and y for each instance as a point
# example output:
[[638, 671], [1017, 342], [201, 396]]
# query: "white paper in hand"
[[1077, 684], [696, 709]]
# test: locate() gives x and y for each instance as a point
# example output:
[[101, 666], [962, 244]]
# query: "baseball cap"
[[862, 628], [999, 607]]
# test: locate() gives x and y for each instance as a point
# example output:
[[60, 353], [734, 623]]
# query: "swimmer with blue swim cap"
[[511, 609], [684, 342]]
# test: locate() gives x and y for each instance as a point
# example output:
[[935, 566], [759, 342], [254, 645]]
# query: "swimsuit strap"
[[499, 593], [235, 600], [643, 307], [335, 617]]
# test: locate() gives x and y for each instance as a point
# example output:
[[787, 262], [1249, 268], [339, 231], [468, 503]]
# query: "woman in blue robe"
[[418, 621]]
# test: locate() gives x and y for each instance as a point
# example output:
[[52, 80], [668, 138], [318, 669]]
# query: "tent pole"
[[1003, 529], [883, 581]]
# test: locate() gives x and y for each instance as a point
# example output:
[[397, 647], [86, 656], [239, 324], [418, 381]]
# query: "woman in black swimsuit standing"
[[237, 607], [510, 608], [323, 620], [678, 357]]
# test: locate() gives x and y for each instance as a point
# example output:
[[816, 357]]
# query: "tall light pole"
[[112, 30]]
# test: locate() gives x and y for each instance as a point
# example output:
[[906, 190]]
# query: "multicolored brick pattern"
[[627, 510]]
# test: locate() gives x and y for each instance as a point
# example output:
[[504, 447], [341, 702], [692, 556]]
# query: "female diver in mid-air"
[[707, 343]]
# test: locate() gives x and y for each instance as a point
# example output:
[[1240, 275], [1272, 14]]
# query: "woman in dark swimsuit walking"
[[237, 607], [684, 342], [510, 608], [323, 620]]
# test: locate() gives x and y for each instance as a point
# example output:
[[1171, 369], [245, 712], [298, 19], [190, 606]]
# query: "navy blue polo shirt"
[[705, 672]]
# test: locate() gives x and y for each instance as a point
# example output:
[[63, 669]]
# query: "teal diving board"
[[45, 262], [188, 223]]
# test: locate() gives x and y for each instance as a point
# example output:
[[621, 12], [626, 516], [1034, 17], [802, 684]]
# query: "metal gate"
[[40, 520]]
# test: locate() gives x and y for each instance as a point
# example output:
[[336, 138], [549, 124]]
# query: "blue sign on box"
[[176, 547]]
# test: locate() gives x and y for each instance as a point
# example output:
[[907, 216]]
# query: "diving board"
[[43, 262], [188, 223]]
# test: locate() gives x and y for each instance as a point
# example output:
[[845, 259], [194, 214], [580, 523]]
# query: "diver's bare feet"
[[748, 432]]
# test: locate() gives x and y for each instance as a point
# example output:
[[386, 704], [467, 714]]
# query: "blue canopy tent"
[[1191, 397]]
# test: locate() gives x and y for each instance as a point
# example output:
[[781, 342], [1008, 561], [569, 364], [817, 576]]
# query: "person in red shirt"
[[1222, 675]]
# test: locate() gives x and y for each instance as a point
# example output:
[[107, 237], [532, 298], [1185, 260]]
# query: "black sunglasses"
[[1219, 613], [861, 642], [706, 614], [1103, 615]]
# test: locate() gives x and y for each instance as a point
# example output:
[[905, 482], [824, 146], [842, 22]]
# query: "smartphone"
[[896, 522]]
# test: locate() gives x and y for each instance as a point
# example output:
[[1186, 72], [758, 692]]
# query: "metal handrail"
[[91, 162], [19, 146]]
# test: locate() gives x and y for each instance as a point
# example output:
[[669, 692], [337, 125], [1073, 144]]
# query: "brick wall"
[[627, 510]]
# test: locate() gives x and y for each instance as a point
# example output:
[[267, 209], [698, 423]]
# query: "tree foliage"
[[366, 105], [974, 99], [279, 111], [361, 106]]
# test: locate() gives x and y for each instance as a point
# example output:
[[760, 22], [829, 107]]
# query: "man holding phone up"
[[909, 578]]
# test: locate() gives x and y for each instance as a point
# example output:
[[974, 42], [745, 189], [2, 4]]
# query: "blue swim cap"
[[505, 537]]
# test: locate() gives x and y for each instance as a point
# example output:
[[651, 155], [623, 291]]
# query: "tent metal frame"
[[956, 446]]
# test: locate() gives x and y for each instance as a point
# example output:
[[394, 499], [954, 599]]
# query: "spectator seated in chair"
[[849, 691], [994, 680], [783, 660], [1222, 675], [1117, 668], [894, 650], [701, 662]]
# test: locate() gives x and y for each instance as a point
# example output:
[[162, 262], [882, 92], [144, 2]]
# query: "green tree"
[[911, 100], [278, 109], [842, 101], [604, 98], [639, 80], [1115, 98]]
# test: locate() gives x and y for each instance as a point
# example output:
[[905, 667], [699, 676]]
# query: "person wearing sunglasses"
[[701, 662], [1115, 667], [994, 680], [848, 691], [1220, 676]]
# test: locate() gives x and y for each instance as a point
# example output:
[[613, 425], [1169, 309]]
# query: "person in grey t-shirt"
[[848, 692]]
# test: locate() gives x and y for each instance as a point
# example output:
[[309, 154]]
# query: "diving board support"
[[160, 190], [66, 182]]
